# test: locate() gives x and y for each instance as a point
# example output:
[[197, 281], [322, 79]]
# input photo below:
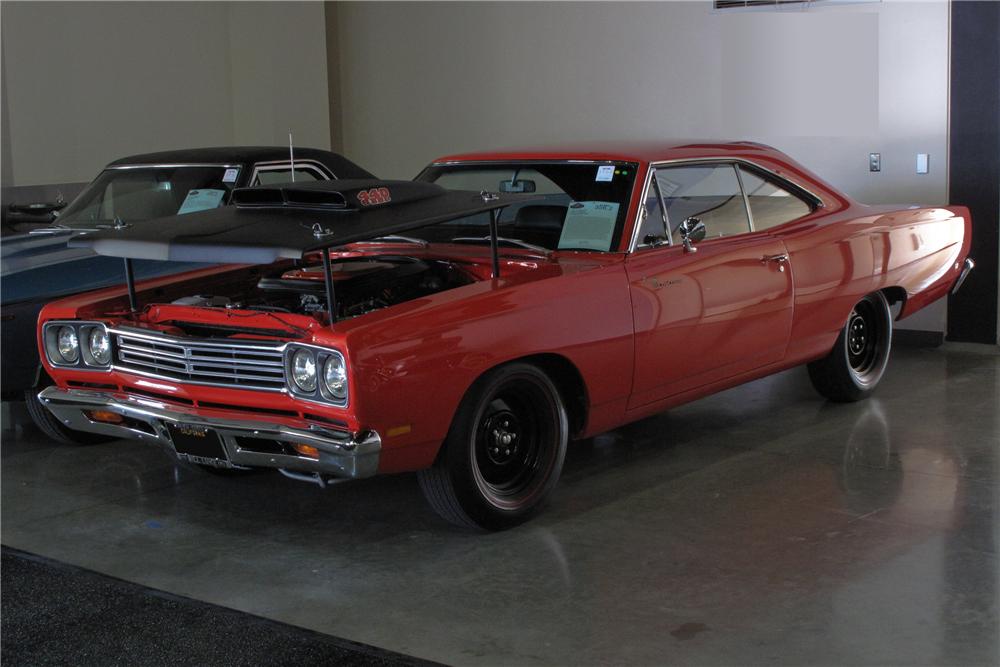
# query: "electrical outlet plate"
[[874, 162], [923, 163]]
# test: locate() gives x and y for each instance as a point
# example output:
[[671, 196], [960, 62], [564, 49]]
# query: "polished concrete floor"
[[761, 525]]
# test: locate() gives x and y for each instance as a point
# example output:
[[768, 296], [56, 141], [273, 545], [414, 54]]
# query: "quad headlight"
[[67, 345], [317, 373], [99, 342], [304, 371], [335, 377], [84, 345]]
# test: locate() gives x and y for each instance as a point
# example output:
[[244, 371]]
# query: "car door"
[[716, 310]]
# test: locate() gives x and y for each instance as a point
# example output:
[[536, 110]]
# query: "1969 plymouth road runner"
[[469, 324]]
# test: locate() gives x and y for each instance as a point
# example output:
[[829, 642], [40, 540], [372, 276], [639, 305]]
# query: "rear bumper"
[[247, 443], [968, 266]]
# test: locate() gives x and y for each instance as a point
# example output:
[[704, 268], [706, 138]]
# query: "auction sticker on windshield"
[[589, 225], [201, 200]]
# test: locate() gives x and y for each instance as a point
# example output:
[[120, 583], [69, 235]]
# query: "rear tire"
[[504, 451], [858, 360], [55, 429]]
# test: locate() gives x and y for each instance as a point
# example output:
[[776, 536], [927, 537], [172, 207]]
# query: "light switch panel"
[[923, 163], [874, 162]]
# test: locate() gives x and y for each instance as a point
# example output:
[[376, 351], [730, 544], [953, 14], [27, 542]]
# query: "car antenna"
[[291, 154]]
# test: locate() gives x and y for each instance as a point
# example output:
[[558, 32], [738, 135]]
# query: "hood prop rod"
[[494, 241], [331, 298], [130, 284]]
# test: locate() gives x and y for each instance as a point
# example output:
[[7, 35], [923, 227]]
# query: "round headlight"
[[335, 377], [68, 345], [304, 371], [100, 346]]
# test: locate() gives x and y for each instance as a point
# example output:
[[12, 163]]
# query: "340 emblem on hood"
[[374, 196]]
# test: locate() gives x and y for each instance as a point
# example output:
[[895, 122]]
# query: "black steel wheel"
[[504, 452], [859, 358]]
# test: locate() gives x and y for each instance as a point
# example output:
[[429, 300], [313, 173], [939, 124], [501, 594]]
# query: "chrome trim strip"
[[792, 186], [198, 342], [278, 165], [451, 163], [173, 165], [746, 199], [342, 453], [968, 265]]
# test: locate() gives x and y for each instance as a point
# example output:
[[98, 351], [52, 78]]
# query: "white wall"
[[827, 85], [87, 82]]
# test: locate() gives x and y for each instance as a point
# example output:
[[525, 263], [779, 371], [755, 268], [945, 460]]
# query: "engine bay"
[[361, 285]]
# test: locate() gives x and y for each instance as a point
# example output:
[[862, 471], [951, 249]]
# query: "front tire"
[[858, 360], [504, 452], [55, 429]]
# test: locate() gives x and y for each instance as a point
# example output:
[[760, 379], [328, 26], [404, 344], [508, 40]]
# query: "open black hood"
[[287, 221]]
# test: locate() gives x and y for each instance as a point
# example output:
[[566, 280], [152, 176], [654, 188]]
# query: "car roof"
[[628, 151], [341, 166]]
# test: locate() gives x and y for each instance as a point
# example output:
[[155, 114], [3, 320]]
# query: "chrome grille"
[[247, 365]]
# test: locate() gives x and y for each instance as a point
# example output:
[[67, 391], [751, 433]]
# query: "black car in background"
[[38, 267]]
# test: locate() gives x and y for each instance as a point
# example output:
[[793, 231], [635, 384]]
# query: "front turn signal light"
[[105, 416], [307, 451]]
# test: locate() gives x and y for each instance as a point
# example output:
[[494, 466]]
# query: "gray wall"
[[87, 82], [827, 85]]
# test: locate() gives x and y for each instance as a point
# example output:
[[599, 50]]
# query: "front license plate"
[[197, 442]]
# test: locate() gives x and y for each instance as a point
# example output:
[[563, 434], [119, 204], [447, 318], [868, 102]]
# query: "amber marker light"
[[105, 416], [306, 450]]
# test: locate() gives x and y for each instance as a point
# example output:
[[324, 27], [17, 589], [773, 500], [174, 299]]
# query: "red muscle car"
[[471, 323]]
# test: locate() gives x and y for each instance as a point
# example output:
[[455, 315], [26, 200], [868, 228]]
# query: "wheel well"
[[895, 295], [570, 384]]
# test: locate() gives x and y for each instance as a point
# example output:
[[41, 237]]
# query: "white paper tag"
[[201, 200], [605, 172], [589, 225], [230, 176]]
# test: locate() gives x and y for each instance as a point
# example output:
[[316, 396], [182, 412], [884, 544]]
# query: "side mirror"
[[692, 229]]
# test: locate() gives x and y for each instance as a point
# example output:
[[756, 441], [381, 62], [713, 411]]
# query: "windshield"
[[141, 193], [575, 206]]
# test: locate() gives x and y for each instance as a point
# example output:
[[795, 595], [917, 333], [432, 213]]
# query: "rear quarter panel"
[[838, 258]]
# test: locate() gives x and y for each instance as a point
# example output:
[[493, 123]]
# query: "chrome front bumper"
[[247, 443], [968, 266]]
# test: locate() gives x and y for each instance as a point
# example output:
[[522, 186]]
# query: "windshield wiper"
[[394, 238], [503, 241]]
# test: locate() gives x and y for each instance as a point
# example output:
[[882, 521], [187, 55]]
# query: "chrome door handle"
[[780, 260]]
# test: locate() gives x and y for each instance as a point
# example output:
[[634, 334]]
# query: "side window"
[[653, 224], [771, 205], [708, 192], [283, 174]]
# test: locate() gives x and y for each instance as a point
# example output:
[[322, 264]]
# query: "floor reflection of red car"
[[470, 331]]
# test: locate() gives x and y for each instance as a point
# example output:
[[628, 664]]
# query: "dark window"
[[710, 193], [776, 4], [284, 175], [770, 205], [142, 193], [569, 205]]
